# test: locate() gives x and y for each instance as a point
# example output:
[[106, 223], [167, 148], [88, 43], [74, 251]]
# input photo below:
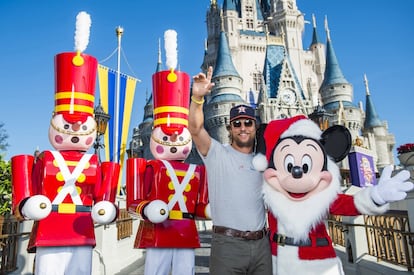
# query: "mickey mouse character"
[[302, 186]]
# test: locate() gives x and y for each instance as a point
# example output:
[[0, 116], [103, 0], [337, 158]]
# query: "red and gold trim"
[[171, 100], [140, 207], [75, 85]]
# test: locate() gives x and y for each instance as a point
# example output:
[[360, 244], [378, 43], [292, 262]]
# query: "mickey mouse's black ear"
[[260, 141], [337, 142], [259, 160]]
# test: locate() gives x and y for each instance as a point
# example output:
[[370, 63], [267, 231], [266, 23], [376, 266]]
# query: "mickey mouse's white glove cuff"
[[389, 188]]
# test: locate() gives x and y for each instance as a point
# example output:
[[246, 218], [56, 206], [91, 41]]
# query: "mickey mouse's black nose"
[[297, 172]]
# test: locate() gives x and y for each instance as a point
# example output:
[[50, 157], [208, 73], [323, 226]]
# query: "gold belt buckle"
[[67, 208], [176, 215]]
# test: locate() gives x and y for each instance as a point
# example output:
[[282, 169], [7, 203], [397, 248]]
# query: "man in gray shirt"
[[240, 244]]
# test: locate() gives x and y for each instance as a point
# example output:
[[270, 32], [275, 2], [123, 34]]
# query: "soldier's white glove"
[[37, 208], [104, 212], [156, 211], [391, 189]]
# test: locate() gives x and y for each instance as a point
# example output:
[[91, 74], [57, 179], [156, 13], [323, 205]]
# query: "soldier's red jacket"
[[182, 186], [73, 181]]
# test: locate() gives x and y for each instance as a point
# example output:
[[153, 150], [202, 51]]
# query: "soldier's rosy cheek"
[[58, 139], [89, 141], [159, 149]]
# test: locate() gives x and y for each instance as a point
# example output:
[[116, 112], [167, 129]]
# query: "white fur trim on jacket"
[[366, 205]]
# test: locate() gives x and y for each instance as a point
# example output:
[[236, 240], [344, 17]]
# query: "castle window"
[[257, 81], [249, 23]]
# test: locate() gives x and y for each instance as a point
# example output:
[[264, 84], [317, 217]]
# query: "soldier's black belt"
[[67, 208]]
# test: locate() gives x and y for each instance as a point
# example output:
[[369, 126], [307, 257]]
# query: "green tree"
[[5, 175], [3, 138], [5, 187]]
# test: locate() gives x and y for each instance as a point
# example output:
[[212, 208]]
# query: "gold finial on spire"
[[119, 31]]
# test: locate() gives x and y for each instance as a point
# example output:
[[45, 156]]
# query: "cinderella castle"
[[258, 56]]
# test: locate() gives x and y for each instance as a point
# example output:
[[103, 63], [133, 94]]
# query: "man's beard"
[[297, 218], [243, 144]]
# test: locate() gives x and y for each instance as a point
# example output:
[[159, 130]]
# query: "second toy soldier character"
[[167, 193]]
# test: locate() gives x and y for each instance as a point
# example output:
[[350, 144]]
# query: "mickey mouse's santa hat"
[[267, 137], [336, 140]]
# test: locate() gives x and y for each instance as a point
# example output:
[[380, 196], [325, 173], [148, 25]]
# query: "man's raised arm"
[[201, 87]]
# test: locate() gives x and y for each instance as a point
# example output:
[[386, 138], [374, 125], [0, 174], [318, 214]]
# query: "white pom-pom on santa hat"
[[259, 162]]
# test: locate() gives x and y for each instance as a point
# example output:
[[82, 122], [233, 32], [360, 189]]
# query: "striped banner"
[[115, 138]]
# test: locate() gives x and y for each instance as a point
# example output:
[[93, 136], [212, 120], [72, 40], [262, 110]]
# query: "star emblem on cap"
[[242, 109]]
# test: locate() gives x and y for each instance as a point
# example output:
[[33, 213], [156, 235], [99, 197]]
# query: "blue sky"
[[372, 37]]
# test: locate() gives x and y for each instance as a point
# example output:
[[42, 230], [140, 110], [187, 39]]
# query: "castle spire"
[[333, 73], [149, 107], [371, 116], [224, 62], [315, 38], [159, 63]]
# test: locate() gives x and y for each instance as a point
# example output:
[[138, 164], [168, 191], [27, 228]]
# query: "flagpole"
[[119, 32]]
